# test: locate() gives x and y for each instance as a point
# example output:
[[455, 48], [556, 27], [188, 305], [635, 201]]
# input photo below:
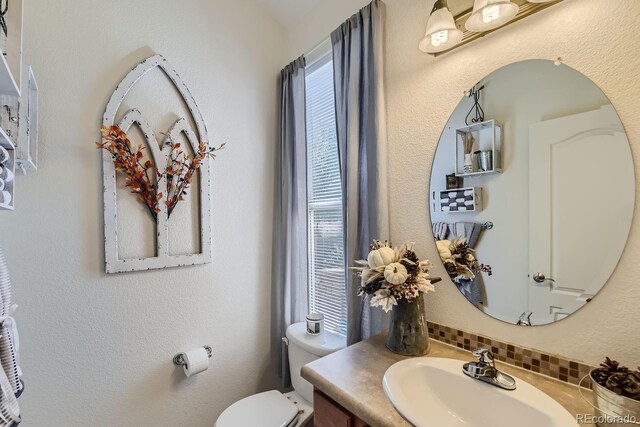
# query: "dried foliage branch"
[[181, 168], [178, 173], [128, 160]]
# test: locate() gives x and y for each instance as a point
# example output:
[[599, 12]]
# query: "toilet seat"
[[268, 409]]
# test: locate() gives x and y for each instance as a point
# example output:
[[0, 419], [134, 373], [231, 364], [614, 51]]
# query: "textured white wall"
[[316, 26], [598, 40], [97, 349]]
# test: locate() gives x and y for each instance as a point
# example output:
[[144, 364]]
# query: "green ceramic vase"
[[408, 332]]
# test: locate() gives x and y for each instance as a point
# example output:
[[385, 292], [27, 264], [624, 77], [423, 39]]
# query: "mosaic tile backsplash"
[[533, 360]]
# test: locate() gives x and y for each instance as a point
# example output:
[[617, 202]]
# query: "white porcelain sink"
[[434, 392]]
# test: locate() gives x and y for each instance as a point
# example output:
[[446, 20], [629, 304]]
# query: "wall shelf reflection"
[[486, 142]]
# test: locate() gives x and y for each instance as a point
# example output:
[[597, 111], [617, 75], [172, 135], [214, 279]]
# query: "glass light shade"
[[441, 33], [490, 14]]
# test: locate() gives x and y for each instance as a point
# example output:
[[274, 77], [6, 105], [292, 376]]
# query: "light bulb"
[[439, 38], [441, 33], [490, 13]]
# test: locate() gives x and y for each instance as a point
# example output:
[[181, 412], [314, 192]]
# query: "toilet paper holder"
[[178, 359]]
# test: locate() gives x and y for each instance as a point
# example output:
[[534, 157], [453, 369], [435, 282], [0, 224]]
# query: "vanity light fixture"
[[490, 14], [441, 33], [484, 17]]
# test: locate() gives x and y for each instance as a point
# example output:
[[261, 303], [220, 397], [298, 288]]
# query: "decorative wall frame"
[[163, 258], [28, 123]]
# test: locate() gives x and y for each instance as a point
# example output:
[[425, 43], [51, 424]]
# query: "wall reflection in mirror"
[[532, 192]]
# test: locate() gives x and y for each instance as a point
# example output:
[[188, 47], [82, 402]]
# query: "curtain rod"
[[318, 51], [318, 46]]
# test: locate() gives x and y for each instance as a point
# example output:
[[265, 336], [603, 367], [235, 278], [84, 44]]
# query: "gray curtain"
[[362, 148], [440, 230], [290, 219]]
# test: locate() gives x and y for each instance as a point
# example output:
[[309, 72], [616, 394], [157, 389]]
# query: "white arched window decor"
[[158, 152]]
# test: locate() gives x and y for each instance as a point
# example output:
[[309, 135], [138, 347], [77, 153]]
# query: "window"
[[324, 199]]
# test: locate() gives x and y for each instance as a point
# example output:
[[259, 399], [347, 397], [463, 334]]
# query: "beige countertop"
[[353, 378]]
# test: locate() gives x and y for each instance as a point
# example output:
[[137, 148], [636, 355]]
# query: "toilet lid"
[[268, 409]]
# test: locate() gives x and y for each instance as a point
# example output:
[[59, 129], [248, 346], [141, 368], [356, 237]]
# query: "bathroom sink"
[[434, 392]]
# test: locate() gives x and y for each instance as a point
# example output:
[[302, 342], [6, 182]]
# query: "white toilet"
[[275, 409]]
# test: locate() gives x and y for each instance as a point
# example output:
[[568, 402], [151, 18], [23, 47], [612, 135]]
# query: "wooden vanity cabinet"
[[328, 413]]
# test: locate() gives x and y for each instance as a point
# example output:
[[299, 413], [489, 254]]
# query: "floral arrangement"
[[139, 170], [618, 379], [459, 260], [390, 274]]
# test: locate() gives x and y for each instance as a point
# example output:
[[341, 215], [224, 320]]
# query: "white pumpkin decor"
[[390, 275], [380, 257], [395, 273], [444, 248]]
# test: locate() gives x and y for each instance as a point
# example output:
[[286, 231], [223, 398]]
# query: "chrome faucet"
[[485, 370], [525, 320]]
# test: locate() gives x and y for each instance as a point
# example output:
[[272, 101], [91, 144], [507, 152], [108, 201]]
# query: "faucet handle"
[[484, 355]]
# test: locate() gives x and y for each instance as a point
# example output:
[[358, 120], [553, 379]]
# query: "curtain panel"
[[290, 219], [362, 145]]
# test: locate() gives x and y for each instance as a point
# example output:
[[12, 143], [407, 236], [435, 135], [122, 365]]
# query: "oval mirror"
[[532, 192]]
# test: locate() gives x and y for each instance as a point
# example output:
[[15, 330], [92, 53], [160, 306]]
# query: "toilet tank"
[[305, 348]]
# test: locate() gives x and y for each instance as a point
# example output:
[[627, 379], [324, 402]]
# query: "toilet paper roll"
[[196, 361]]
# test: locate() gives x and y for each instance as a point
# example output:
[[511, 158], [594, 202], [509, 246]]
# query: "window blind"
[[325, 236]]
